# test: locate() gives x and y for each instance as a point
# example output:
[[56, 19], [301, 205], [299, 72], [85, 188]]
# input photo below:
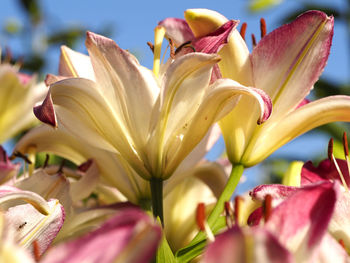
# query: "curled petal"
[[8, 193], [217, 103], [177, 30], [275, 134], [46, 112]]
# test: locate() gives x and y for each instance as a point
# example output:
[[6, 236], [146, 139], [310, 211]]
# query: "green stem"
[[233, 180], [157, 198]]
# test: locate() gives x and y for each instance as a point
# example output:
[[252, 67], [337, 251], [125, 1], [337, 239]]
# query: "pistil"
[[159, 33]]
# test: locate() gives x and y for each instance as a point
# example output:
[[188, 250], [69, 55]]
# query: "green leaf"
[[196, 248], [164, 253]]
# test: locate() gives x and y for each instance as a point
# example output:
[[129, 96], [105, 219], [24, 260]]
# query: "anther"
[[346, 151], [172, 48], [334, 161], [330, 149], [253, 40], [267, 207], [8, 55], [185, 45], [36, 250], [200, 216], [151, 46], [243, 30], [345, 144], [202, 223], [238, 208], [262, 27], [228, 214], [341, 242]]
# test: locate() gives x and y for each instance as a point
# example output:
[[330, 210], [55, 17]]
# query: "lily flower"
[[152, 119], [285, 64], [131, 236], [19, 93]]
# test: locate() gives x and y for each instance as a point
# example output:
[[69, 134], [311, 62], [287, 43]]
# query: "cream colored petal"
[[112, 169], [16, 102], [75, 64], [235, 62], [180, 210], [185, 84], [213, 107], [272, 135], [86, 114], [131, 88], [183, 87]]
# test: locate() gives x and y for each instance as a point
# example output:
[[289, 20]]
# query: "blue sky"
[[133, 23]]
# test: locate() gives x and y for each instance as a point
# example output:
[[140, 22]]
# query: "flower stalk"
[[157, 198]]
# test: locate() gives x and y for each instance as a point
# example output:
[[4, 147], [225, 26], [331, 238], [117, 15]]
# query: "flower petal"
[[86, 114], [45, 112], [301, 221], [116, 241], [177, 30], [235, 63], [238, 245], [112, 169], [289, 60], [218, 101], [120, 78], [33, 226], [75, 64], [272, 135]]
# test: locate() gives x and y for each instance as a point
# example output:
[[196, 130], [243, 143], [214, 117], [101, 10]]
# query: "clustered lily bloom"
[[285, 64], [138, 140], [159, 117]]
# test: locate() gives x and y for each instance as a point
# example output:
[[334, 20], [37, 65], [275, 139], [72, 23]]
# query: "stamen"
[[253, 40], [267, 207], [186, 44], [200, 216], [8, 55], [151, 46], [47, 157], [341, 242], [159, 33], [31, 156], [238, 209], [172, 48], [346, 151], [20, 155], [36, 250], [229, 214], [243, 30], [262, 27], [330, 149], [202, 223], [334, 161], [60, 169]]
